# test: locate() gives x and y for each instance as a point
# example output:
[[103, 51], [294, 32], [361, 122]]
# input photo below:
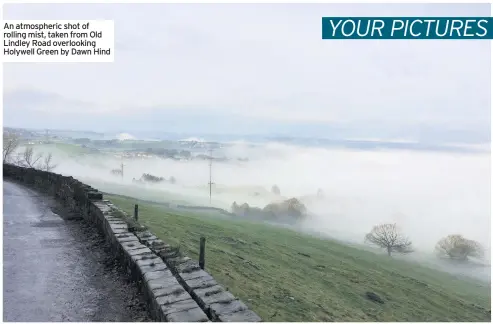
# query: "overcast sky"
[[266, 62]]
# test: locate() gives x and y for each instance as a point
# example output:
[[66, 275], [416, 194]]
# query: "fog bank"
[[430, 195]]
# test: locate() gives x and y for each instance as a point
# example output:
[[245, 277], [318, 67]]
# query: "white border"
[[251, 1]]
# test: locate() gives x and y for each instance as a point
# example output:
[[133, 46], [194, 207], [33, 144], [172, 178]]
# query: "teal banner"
[[407, 28]]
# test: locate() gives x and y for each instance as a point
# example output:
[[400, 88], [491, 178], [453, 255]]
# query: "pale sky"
[[258, 62]]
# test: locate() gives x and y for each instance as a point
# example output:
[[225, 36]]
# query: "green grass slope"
[[59, 147], [286, 276]]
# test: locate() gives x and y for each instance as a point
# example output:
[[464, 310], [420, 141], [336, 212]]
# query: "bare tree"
[[457, 247], [389, 237], [30, 160], [10, 144], [47, 164]]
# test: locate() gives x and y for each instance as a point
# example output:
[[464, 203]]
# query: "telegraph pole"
[[122, 169], [210, 176]]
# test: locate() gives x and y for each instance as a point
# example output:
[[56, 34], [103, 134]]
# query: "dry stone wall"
[[175, 287]]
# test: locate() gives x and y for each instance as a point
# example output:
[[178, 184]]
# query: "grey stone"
[[149, 238], [179, 306], [222, 297], [374, 297], [227, 308], [110, 219], [199, 283], [158, 242], [196, 274], [122, 235], [211, 295], [144, 269], [144, 234], [132, 245], [187, 316], [173, 289], [173, 297], [186, 266], [201, 292], [142, 250], [161, 283], [119, 230], [127, 239], [142, 256], [241, 316], [118, 226], [148, 261], [102, 206], [157, 274]]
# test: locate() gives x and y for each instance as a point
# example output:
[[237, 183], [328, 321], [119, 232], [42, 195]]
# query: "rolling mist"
[[428, 194]]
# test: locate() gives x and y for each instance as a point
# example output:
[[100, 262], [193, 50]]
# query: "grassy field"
[[69, 149], [286, 276]]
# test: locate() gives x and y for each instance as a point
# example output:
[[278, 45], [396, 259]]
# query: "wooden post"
[[136, 212], [202, 253]]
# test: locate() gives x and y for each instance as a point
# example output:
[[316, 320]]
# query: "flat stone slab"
[[200, 283], [209, 290], [212, 295], [132, 245], [218, 309], [173, 297], [195, 274], [144, 269], [110, 218], [162, 283], [122, 235], [187, 266], [222, 297], [118, 226], [116, 221], [174, 289], [102, 205], [242, 316], [120, 230], [141, 250], [143, 261], [143, 256], [157, 275], [127, 239], [191, 315], [148, 238], [180, 306]]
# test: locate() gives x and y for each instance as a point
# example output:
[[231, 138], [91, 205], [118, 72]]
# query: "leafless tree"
[[31, 160], [389, 237], [457, 247], [47, 164], [10, 144]]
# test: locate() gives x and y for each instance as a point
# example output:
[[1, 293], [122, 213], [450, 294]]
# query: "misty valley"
[[417, 209]]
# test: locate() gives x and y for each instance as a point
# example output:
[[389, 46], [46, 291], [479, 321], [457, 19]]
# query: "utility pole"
[[122, 169], [210, 176]]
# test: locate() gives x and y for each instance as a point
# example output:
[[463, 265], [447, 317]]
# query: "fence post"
[[202, 253], [136, 212]]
